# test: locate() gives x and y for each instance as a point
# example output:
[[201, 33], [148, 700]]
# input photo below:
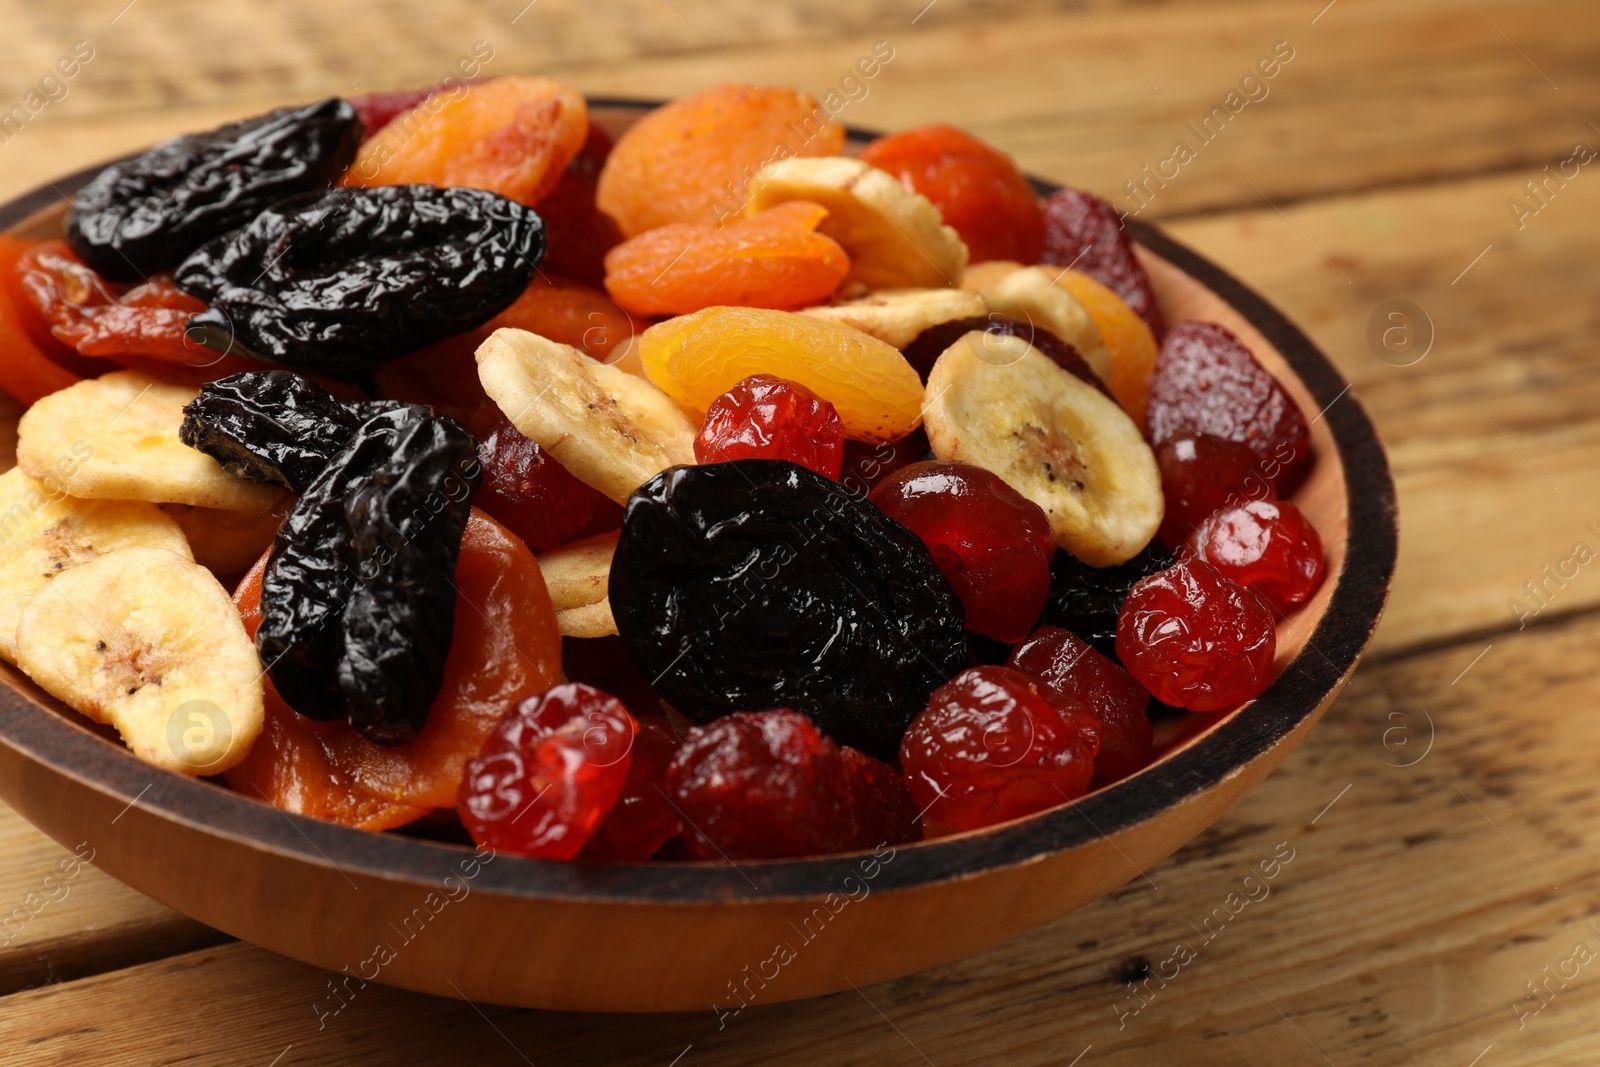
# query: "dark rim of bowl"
[[44, 736]]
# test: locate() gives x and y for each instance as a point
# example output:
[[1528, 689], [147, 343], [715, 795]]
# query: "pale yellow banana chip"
[[1030, 294], [116, 438], [897, 316], [591, 620], [148, 641], [579, 579]]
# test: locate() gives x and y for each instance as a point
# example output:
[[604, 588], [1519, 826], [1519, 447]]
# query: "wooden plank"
[[1379, 91], [1412, 902]]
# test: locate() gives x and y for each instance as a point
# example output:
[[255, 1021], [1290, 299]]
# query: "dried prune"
[[931, 343], [357, 602], [1083, 231], [757, 583], [270, 426], [1087, 600], [345, 280], [149, 212]]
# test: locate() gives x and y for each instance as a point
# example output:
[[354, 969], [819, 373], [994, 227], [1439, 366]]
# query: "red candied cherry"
[[547, 775], [1201, 473], [534, 497], [885, 812], [766, 417], [1268, 545], [990, 747], [643, 819], [868, 463], [977, 188], [1078, 678], [1196, 639], [991, 542]]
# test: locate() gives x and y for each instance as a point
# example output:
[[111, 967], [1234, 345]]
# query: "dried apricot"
[[692, 160], [771, 260], [1133, 347], [696, 358], [27, 369], [977, 189], [512, 136]]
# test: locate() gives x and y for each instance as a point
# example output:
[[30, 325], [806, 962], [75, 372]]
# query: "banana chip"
[[897, 316], [1030, 294], [579, 579]]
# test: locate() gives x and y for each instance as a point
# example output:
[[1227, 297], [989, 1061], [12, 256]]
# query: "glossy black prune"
[[931, 343], [343, 281], [269, 426], [387, 510], [758, 584], [147, 213], [1087, 600]]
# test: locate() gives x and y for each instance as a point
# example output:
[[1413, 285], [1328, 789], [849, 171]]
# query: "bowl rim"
[[43, 736]]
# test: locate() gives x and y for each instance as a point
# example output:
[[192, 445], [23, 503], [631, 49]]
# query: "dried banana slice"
[[998, 402], [614, 431], [1031, 295], [149, 642], [896, 238], [579, 579], [43, 534], [226, 543], [116, 438], [897, 316]]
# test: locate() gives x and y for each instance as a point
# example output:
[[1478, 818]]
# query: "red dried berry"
[[978, 189], [579, 234], [1071, 673], [766, 417], [1268, 545], [885, 812], [1196, 639], [992, 543], [991, 747], [1201, 473], [553, 768], [643, 819], [1206, 381], [867, 464], [377, 109], [1085, 233], [536, 498], [762, 785]]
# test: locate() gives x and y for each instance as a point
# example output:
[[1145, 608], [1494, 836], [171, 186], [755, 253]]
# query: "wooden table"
[[1441, 906]]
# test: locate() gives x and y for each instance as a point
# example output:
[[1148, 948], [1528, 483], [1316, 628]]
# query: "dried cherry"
[[580, 234], [1076, 677], [643, 819], [549, 773], [147, 213], [991, 542], [1266, 545], [868, 463], [535, 497], [759, 583], [1196, 639], [1088, 600], [931, 343], [1084, 232], [765, 417], [1201, 473], [343, 281]]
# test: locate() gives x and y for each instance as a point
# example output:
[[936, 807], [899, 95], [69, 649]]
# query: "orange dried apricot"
[[692, 160], [513, 136], [1132, 346], [771, 260], [696, 358]]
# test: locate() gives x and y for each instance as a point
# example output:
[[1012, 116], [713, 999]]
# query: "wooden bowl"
[[433, 917]]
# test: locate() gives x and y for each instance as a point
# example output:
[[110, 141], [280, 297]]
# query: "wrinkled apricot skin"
[[696, 358], [978, 189], [771, 260], [1133, 347], [505, 648], [692, 160], [513, 136], [27, 373]]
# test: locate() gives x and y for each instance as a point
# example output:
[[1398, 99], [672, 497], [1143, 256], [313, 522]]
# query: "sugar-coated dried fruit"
[[550, 772], [978, 189], [580, 233], [147, 213], [1127, 337], [772, 260], [696, 358], [643, 819], [991, 542], [989, 747], [1088, 600], [694, 160], [1077, 678], [757, 583], [513, 136], [1086, 233], [535, 497], [765, 417], [770, 785], [1201, 473], [1264, 544], [1207, 381], [352, 278], [1196, 639]]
